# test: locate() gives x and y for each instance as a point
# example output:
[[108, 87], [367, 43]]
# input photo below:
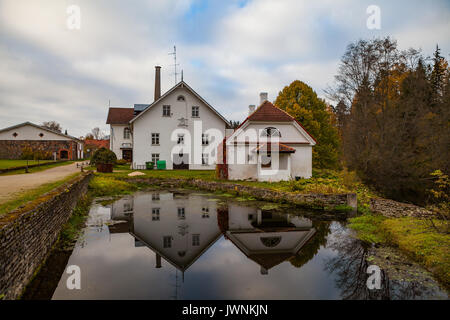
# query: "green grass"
[[5, 164], [424, 240], [31, 195], [48, 165], [102, 185]]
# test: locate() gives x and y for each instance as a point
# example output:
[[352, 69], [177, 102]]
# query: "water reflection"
[[186, 245]]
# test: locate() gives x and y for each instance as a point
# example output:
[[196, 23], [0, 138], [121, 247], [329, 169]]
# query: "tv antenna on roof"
[[174, 53]]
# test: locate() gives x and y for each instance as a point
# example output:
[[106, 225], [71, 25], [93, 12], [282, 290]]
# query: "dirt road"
[[13, 184]]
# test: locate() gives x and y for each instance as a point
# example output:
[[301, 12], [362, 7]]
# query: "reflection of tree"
[[311, 248], [349, 267]]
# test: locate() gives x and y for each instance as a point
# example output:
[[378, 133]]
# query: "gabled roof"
[[98, 143], [42, 128], [120, 115], [267, 112], [182, 84]]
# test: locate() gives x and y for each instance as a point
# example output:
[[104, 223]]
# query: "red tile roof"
[[268, 112], [282, 148], [97, 143], [120, 115]]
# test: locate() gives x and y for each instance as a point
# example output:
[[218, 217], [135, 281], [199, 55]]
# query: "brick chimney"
[[157, 82], [262, 97]]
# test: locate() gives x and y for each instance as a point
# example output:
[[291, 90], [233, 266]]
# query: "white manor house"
[[186, 132]]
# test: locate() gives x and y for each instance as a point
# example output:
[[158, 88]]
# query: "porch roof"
[[278, 147]]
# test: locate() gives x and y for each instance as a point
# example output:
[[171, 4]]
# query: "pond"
[[191, 245]]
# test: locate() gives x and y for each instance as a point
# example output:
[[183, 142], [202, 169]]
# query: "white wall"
[[117, 139], [152, 121], [29, 132]]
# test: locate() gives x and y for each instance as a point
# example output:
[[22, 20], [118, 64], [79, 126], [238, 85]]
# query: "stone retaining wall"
[[391, 208], [315, 201], [27, 235]]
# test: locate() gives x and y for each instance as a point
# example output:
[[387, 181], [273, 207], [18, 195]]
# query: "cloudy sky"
[[229, 50]]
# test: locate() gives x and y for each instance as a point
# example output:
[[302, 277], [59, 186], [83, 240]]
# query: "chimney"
[[158, 261], [251, 109], [157, 82], [262, 97]]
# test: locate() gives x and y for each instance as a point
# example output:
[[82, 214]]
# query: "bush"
[[121, 162], [104, 156]]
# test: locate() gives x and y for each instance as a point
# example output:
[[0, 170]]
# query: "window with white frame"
[[205, 159], [155, 214], [195, 240], [181, 214], [205, 212], [155, 139], [167, 241], [180, 139], [271, 132], [195, 112], [166, 111], [205, 139], [155, 197], [155, 158], [126, 133]]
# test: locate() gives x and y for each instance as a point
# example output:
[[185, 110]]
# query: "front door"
[[127, 155], [181, 161]]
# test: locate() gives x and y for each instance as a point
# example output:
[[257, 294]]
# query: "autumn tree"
[[300, 101]]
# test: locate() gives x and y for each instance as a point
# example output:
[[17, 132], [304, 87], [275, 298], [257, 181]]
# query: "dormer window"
[[126, 133], [181, 98], [271, 132]]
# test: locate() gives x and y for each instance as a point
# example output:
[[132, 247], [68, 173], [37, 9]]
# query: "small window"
[[155, 158], [181, 98], [195, 240], [271, 132], [126, 133], [180, 139], [15, 134], [166, 111], [266, 161], [181, 214], [155, 139], [155, 197], [41, 134], [250, 217], [195, 112], [167, 242], [205, 213], [127, 207], [155, 214], [205, 159], [205, 139]]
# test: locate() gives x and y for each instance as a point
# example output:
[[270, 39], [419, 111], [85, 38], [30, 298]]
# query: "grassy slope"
[[31, 195], [424, 240], [37, 169]]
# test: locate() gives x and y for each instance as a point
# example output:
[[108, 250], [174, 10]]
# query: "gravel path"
[[13, 184]]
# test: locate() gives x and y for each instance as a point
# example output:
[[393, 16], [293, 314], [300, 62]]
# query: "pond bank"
[[327, 202]]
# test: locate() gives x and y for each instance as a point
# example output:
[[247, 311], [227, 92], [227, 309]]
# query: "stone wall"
[[315, 201], [28, 234], [12, 149], [391, 208]]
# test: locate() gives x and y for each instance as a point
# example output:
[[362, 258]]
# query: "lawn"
[[6, 164], [48, 164]]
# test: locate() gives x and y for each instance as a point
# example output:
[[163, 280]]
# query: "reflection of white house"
[[265, 237], [269, 145], [179, 127], [177, 227]]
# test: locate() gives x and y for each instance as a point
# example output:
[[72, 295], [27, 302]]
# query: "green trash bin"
[[149, 165], [161, 164]]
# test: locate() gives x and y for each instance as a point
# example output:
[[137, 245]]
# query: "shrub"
[[121, 162], [104, 156]]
